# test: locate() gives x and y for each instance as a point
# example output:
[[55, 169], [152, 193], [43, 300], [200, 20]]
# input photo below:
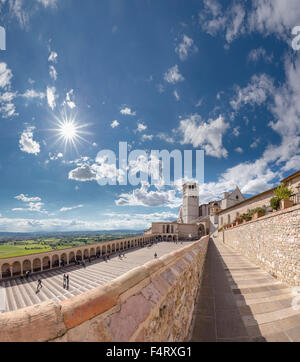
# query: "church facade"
[[194, 220]]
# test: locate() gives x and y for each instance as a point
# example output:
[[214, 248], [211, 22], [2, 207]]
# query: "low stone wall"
[[154, 302], [272, 242]]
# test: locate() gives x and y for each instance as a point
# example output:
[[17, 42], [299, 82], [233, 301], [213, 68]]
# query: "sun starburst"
[[69, 131]]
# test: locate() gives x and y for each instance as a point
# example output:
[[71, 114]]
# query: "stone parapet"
[[154, 302]]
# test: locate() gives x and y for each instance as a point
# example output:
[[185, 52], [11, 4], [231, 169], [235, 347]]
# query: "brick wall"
[[154, 302], [273, 242]]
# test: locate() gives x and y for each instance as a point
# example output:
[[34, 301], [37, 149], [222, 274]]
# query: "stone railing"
[[153, 302], [272, 242]]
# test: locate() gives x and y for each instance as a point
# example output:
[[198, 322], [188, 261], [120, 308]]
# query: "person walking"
[[155, 256], [68, 281], [39, 286], [65, 280]]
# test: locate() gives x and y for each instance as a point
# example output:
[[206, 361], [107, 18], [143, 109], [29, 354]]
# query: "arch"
[[170, 238], [98, 251], [103, 249], [46, 263], [6, 271], [26, 266], [86, 254], [16, 268], [36, 266], [117, 247], [201, 231], [175, 238], [78, 255], [55, 261], [64, 258], [131, 244], [121, 245], [128, 244], [113, 248], [72, 257], [108, 249], [92, 253]]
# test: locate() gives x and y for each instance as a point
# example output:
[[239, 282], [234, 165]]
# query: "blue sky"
[[218, 76]]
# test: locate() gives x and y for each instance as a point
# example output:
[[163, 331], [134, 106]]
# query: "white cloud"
[[255, 93], [141, 127], [260, 53], [236, 131], [31, 94], [214, 19], [148, 137], [53, 57], [127, 111], [8, 110], [53, 72], [176, 95], [173, 75], [27, 144], [25, 198], [48, 3], [115, 124], [5, 75], [185, 47], [69, 101], [83, 173], [239, 150], [51, 97], [64, 209], [144, 197], [207, 135], [54, 157]]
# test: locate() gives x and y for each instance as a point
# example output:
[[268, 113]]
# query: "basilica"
[[194, 220]]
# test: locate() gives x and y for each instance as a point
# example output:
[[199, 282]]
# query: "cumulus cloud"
[[127, 111], [53, 72], [144, 197], [185, 47], [205, 134], [235, 19], [141, 127], [53, 57], [255, 93], [114, 124], [26, 198], [5, 75], [83, 173], [51, 97], [69, 101], [27, 144], [173, 75], [176, 95]]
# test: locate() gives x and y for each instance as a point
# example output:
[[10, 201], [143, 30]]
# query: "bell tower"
[[190, 205]]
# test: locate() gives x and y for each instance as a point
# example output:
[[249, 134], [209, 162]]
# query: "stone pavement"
[[238, 301], [17, 293]]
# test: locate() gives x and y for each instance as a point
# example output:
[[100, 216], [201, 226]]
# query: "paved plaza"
[[238, 301], [19, 293]]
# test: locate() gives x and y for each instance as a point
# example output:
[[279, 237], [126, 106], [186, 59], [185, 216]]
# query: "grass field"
[[8, 251]]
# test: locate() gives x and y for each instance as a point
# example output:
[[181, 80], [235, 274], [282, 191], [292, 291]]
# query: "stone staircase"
[[19, 293]]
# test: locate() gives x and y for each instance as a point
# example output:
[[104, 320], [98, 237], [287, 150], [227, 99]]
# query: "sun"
[[69, 131]]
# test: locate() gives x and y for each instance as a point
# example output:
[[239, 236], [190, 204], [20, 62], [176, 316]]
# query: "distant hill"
[[7, 236]]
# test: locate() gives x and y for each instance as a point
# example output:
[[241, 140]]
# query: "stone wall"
[[154, 302], [272, 242]]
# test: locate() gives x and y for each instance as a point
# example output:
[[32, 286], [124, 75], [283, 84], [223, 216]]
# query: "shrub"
[[275, 203], [282, 192]]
